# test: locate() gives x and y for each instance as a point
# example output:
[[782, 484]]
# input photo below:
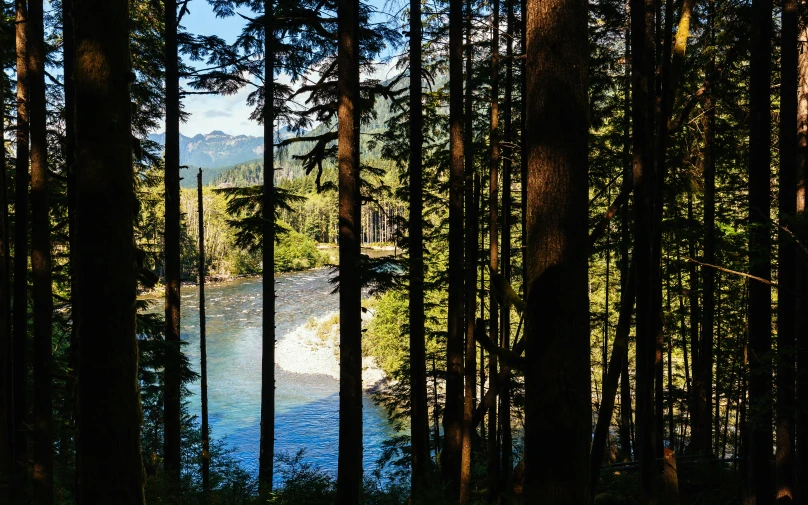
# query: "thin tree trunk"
[[109, 464], [6, 343], [203, 345], [625, 384], [70, 162], [642, 62], [523, 150], [419, 423], [349, 477], [506, 445], [557, 376], [20, 300], [172, 391], [703, 368], [604, 356], [471, 344], [619, 354], [759, 455], [267, 449], [787, 258], [472, 246], [40, 260], [702, 374], [453, 413], [493, 251]]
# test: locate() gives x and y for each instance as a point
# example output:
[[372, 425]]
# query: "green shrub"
[[296, 252]]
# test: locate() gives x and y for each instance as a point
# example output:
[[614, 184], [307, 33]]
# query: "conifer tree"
[[349, 477], [453, 413], [419, 424], [761, 486], [20, 295], [109, 464], [40, 259], [172, 400], [557, 392]]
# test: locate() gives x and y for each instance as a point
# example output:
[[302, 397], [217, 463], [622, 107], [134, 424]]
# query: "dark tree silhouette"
[[349, 477], [419, 423], [759, 455], [267, 449], [20, 300], [40, 259], [108, 425], [172, 393]]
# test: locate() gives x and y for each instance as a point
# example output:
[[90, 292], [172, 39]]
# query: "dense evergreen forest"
[[598, 289]]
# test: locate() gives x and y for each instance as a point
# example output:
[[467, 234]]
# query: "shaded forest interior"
[[597, 218]]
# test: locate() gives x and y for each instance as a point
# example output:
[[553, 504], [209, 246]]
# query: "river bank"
[[313, 348], [306, 371]]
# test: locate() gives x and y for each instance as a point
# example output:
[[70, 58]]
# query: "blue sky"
[[229, 114]]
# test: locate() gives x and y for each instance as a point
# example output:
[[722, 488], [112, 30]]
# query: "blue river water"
[[307, 405]]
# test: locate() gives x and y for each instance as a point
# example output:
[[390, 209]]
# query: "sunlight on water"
[[307, 406]]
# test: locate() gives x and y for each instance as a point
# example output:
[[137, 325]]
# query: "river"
[[307, 405]]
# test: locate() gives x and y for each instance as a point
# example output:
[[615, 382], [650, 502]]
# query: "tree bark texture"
[[557, 371], [349, 477]]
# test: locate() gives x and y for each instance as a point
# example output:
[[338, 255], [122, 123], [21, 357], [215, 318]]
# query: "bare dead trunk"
[[203, 345]]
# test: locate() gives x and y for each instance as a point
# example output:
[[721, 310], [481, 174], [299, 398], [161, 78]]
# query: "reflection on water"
[[306, 406]]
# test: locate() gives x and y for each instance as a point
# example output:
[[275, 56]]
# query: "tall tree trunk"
[[557, 385], [625, 430], [453, 413], [70, 162], [419, 423], [40, 259], [760, 297], [172, 391], [802, 276], [471, 344], [109, 463], [787, 257], [643, 105], [20, 300], [267, 450], [702, 425], [349, 477], [471, 264], [203, 344], [6, 344], [493, 251], [506, 437], [703, 389]]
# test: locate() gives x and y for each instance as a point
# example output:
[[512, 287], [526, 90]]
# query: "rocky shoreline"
[[313, 348]]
